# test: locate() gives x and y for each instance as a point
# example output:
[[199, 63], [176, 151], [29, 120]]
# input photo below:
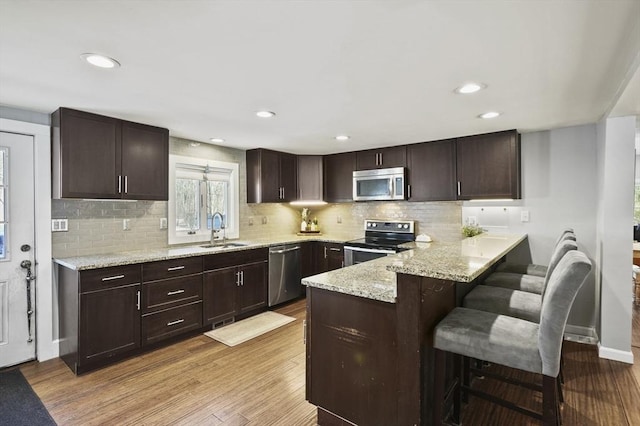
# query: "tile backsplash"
[[96, 227]]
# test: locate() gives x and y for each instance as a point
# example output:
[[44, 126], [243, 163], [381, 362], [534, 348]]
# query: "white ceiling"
[[382, 72]]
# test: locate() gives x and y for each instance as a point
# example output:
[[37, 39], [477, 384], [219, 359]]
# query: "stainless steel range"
[[381, 238]]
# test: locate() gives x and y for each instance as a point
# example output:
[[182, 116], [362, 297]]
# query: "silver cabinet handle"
[[126, 184], [138, 302], [408, 191], [242, 278], [171, 293], [175, 268], [325, 252], [238, 279], [304, 332], [335, 249], [381, 160], [459, 186], [115, 277], [119, 184], [175, 322]]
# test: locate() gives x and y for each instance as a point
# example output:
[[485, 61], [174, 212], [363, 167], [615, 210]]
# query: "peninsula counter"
[[369, 328]]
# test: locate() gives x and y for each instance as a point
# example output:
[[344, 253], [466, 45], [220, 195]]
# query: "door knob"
[[25, 264]]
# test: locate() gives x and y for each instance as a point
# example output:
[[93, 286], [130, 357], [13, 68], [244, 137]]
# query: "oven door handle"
[[370, 250]]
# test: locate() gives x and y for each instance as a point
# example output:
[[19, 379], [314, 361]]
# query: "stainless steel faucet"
[[214, 231]]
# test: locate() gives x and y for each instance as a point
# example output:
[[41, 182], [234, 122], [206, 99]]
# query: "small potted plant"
[[471, 230], [314, 225]]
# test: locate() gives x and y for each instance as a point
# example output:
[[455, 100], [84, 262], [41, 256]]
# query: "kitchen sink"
[[224, 245]]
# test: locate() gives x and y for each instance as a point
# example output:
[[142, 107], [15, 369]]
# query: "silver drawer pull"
[[334, 249], [175, 268], [171, 293], [175, 322], [115, 277]]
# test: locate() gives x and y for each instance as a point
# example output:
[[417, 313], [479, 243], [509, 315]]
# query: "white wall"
[[616, 139], [559, 190]]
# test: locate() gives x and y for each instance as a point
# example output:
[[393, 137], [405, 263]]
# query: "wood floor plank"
[[200, 381]]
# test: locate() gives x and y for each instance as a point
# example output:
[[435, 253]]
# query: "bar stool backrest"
[[561, 249], [561, 291]]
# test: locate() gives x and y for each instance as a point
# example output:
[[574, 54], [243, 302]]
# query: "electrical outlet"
[[472, 221], [264, 220], [339, 219], [59, 225], [126, 224], [250, 221], [524, 216], [163, 223]]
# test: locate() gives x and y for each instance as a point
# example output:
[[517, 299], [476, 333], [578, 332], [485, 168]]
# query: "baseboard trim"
[[615, 354], [581, 334]]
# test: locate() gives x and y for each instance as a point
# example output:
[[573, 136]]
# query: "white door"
[[17, 218]]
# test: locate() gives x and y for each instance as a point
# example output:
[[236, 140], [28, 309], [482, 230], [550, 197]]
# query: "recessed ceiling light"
[[490, 114], [100, 60], [217, 140], [342, 138], [265, 114], [471, 87]]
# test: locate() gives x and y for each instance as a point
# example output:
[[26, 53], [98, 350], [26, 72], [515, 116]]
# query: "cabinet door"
[[263, 176], [310, 177], [335, 256], [86, 152], [395, 156], [288, 176], [330, 256], [307, 259], [338, 177], [432, 171], [252, 293], [145, 162], [219, 295], [488, 166], [109, 323]]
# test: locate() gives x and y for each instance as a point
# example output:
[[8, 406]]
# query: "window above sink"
[[198, 188]]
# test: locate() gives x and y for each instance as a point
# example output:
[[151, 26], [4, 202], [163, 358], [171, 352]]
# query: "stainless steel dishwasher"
[[284, 273]]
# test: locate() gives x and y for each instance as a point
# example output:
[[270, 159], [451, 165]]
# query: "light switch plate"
[[126, 224], [472, 221], [163, 223], [524, 216]]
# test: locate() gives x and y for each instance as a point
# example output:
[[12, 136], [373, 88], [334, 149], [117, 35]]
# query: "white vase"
[[303, 226]]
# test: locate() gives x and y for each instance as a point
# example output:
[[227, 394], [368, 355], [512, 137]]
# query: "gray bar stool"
[[533, 269], [512, 342], [532, 283]]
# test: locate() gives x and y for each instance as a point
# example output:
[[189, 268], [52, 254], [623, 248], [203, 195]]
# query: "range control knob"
[[399, 226], [374, 224], [406, 226]]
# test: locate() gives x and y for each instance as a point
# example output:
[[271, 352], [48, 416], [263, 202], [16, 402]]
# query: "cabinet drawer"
[[100, 279], [171, 268], [171, 322], [235, 258], [172, 292]]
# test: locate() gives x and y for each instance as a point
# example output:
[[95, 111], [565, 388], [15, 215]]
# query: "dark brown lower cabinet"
[[99, 315], [330, 256], [109, 323], [352, 364], [235, 284], [171, 322]]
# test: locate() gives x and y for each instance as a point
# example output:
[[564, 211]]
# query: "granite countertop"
[[460, 261], [97, 261]]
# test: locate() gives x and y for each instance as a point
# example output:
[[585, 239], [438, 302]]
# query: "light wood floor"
[[261, 382]]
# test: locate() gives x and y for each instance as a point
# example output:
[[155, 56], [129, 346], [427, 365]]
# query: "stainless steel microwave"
[[379, 184]]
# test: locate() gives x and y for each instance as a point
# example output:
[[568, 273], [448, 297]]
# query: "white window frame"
[[219, 170]]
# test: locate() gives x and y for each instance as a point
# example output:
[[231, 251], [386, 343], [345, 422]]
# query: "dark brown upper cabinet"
[[338, 177], [488, 166], [432, 171], [310, 177], [100, 157], [395, 156], [271, 176]]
